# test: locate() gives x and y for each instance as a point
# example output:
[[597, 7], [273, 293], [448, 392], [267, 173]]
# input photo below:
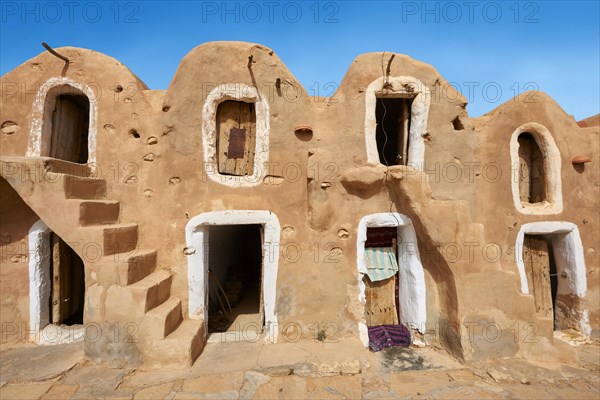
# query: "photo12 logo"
[[453, 12], [270, 11], [52, 12]]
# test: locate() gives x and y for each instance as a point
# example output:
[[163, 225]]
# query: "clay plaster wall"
[[150, 150]]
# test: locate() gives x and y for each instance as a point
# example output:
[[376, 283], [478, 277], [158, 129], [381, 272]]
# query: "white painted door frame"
[[412, 277], [197, 239]]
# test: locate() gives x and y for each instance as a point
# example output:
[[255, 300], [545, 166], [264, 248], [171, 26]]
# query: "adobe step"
[[114, 238], [136, 266], [180, 349], [131, 303], [159, 322], [84, 188], [59, 166], [98, 212], [154, 289]]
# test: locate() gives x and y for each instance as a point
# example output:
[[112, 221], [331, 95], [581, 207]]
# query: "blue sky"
[[490, 50]]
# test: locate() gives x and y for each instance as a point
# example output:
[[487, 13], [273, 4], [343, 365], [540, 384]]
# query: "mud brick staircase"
[[123, 283]]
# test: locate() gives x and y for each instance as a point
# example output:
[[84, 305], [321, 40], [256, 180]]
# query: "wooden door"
[[524, 172], [532, 185], [67, 282], [67, 128], [537, 268], [236, 138], [380, 308]]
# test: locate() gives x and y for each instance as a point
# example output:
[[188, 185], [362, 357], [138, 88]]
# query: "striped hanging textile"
[[381, 263]]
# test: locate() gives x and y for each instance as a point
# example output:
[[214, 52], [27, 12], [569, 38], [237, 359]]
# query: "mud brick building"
[[150, 221]]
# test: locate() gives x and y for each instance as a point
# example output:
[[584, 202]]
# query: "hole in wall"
[[457, 124], [133, 133]]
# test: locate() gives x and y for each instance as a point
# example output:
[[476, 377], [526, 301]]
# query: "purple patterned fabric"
[[383, 336]]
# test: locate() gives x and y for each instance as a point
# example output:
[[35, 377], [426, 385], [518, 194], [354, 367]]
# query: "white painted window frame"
[[411, 291], [40, 133], [235, 92], [553, 203], [401, 87], [197, 240]]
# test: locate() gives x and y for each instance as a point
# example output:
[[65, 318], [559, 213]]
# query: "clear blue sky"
[[491, 50]]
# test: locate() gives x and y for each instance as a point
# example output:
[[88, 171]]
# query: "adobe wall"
[[150, 151]]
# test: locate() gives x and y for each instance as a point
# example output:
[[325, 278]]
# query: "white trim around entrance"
[[412, 277], [196, 234]]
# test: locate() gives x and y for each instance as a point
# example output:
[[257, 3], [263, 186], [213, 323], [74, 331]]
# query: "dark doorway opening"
[[393, 126], [70, 128], [67, 284], [542, 278], [532, 182], [235, 278]]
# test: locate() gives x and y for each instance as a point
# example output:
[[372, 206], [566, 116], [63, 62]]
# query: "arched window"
[[63, 122], [536, 165]]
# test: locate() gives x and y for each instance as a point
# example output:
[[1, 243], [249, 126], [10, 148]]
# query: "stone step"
[[136, 266], [180, 349], [84, 188], [159, 322], [98, 212]]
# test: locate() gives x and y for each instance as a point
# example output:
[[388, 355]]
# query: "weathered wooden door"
[[236, 138], [67, 130], [537, 268], [67, 281], [531, 170], [380, 307]]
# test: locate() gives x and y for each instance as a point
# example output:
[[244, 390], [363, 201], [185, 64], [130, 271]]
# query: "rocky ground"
[[303, 370]]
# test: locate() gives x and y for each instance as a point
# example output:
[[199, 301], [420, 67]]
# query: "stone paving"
[[303, 370]]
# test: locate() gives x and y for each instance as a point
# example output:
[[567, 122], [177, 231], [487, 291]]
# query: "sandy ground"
[[302, 370]]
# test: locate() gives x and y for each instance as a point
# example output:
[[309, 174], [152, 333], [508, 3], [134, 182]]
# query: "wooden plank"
[[56, 281], [228, 118], [67, 128], [532, 182], [524, 173], [403, 139], [231, 116], [380, 307], [537, 267]]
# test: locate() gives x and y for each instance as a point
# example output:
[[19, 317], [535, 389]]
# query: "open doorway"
[[235, 279], [542, 277], [393, 117], [70, 128]]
